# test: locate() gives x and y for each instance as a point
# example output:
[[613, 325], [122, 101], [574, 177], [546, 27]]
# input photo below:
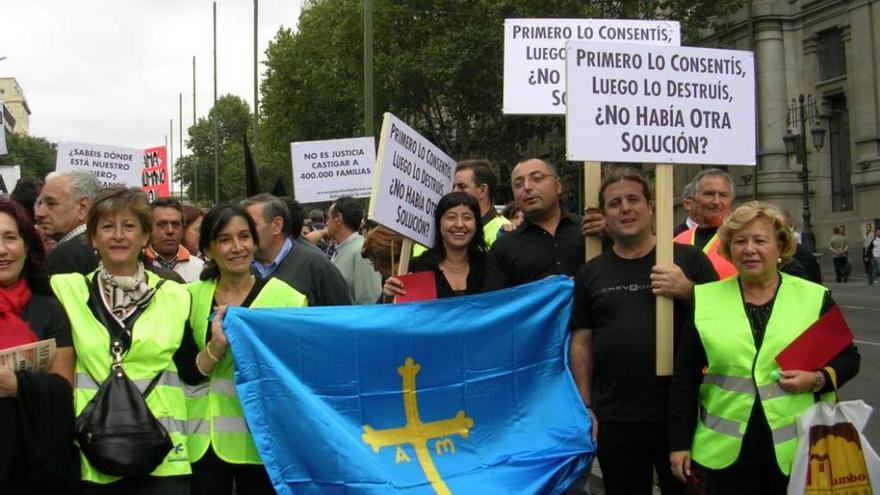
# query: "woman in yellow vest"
[[122, 302], [219, 442], [742, 437]]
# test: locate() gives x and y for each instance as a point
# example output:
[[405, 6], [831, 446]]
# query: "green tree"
[[36, 155], [232, 119], [438, 65]]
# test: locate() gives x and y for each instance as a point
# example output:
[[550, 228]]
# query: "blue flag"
[[462, 395]]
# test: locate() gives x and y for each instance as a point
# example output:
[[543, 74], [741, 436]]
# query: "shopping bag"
[[833, 457]]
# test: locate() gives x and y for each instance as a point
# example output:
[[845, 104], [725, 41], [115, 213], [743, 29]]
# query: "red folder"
[[823, 340], [419, 286]]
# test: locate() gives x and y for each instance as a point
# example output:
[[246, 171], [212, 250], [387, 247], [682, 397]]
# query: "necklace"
[[231, 297], [452, 269]]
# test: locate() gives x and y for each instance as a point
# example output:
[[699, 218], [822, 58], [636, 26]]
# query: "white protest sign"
[[112, 165], [534, 55], [412, 174], [9, 175], [636, 103], [326, 170]]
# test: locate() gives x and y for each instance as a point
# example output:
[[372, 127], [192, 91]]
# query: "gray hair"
[[713, 172], [689, 191], [83, 184], [273, 207]]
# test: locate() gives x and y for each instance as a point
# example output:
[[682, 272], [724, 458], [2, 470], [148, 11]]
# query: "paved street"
[[861, 307]]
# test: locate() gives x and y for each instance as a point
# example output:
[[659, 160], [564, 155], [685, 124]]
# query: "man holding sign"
[[612, 344]]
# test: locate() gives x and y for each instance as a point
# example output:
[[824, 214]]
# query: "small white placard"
[[112, 165], [326, 170]]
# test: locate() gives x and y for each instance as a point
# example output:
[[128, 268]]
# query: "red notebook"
[[419, 286], [818, 344]]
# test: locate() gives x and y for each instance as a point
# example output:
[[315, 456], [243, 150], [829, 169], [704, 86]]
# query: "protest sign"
[[110, 164], [534, 55], [155, 176], [412, 174], [9, 175], [636, 103], [326, 170]]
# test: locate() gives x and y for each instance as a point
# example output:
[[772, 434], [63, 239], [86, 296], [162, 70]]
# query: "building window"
[[831, 53], [839, 148]]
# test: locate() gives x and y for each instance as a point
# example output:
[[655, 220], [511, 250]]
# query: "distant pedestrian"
[[867, 240], [840, 254]]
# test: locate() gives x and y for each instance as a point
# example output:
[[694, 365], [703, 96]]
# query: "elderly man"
[[165, 247], [548, 242], [713, 196], [60, 211], [304, 268], [613, 352]]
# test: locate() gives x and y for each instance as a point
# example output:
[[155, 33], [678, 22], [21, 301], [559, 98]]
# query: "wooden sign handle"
[[663, 214], [405, 253], [592, 181]]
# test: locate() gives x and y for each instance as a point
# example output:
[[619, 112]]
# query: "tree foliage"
[[232, 119], [438, 65], [36, 155]]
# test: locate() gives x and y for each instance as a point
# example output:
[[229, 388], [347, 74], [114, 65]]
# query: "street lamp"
[[800, 112]]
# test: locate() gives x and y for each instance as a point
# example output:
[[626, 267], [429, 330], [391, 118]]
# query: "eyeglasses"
[[534, 178]]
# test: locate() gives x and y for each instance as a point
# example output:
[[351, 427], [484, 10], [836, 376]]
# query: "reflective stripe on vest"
[[737, 373], [214, 414], [723, 267], [155, 338]]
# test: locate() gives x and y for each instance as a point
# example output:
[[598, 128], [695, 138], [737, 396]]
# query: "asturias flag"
[[463, 395]]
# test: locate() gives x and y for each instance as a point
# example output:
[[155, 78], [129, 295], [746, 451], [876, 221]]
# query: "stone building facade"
[[830, 50], [16, 104]]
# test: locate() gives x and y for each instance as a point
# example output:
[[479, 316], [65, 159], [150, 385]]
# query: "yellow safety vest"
[[214, 413], [156, 336], [737, 373]]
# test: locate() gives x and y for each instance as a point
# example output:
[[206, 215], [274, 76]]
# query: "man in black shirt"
[[612, 352], [548, 242]]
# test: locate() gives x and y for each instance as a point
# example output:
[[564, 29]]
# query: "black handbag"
[[117, 432]]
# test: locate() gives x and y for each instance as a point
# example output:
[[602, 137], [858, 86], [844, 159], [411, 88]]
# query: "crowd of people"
[[123, 284]]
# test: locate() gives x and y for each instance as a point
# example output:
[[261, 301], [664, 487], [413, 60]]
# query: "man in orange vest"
[[713, 197]]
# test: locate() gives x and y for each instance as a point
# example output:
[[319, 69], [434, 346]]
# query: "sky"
[[110, 71]]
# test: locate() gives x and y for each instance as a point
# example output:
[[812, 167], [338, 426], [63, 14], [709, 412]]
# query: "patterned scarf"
[[124, 295]]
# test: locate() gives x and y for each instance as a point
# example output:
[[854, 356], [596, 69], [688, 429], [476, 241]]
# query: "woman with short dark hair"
[[459, 253]]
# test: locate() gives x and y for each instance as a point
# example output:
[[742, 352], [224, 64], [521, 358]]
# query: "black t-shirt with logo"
[[613, 298]]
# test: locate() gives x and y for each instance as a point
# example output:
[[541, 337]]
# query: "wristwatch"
[[820, 381]]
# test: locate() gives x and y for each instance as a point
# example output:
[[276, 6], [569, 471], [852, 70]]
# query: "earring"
[[778, 261]]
